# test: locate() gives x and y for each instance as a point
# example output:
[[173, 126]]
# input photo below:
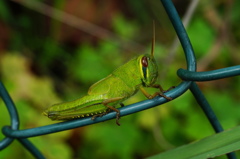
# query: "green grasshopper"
[[107, 94]]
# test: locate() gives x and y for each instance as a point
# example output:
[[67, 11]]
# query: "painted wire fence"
[[189, 76]]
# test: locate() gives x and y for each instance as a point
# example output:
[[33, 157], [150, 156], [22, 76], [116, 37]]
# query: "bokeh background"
[[52, 51]]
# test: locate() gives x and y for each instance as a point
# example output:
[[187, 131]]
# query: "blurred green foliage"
[[44, 62]]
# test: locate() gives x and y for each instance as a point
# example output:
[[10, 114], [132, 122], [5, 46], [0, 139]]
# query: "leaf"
[[209, 147]]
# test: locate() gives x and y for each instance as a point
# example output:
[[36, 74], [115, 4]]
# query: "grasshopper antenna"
[[153, 40]]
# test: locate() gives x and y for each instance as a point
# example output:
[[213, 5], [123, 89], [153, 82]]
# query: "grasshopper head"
[[148, 69], [148, 66]]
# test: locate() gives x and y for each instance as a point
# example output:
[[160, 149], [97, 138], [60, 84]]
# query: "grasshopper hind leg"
[[110, 108]]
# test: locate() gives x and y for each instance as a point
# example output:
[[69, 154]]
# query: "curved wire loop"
[[209, 75], [189, 76], [13, 115]]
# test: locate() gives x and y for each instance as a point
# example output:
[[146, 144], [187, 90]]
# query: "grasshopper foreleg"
[[161, 89], [149, 96]]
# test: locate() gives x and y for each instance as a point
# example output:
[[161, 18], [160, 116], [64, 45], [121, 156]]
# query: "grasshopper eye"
[[144, 61]]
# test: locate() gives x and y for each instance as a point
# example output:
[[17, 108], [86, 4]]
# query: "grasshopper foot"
[[121, 104], [117, 118], [162, 95]]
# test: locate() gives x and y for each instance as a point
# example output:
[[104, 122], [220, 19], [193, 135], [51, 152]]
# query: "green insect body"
[[108, 94]]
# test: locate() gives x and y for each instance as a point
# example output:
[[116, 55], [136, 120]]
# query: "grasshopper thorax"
[[148, 69]]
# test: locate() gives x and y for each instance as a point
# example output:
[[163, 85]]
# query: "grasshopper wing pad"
[[111, 87]]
